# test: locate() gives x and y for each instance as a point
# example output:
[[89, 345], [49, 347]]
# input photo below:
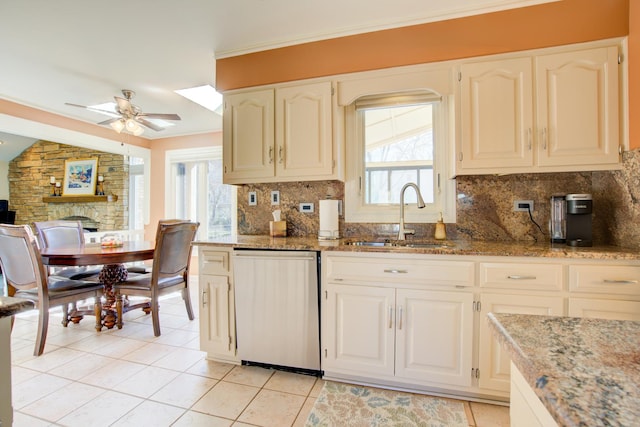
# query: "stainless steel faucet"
[[402, 232]]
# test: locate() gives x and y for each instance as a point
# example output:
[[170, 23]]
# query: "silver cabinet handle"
[[280, 150], [270, 155], [518, 277], [400, 317], [544, 138], [621, 282], [205, 300], [395, 271], [529, 138], [390, 317]]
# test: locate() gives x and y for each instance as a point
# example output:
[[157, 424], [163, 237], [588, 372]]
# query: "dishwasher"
[[277, 314]]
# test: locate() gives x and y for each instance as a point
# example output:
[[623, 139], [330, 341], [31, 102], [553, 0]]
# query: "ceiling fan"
[[127, 116]]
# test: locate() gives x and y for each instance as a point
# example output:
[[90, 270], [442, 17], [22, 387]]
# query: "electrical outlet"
[[306, 207], [523, 206], [253, 198], [275, 198]]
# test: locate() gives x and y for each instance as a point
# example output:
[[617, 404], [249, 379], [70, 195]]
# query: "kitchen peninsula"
[[584, 371], [9, 306]]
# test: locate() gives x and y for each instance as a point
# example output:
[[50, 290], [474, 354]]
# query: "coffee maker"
[[579, 208]]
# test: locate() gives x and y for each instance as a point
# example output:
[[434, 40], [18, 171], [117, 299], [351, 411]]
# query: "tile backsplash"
[[484, 206]]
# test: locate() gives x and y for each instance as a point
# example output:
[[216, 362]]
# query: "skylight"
[[205, 96]]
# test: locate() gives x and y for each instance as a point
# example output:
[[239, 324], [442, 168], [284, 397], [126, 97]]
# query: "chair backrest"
[[56, 233], [20, 259], [173, 247]]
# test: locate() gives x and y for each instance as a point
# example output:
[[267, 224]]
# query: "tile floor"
[[128, 377]]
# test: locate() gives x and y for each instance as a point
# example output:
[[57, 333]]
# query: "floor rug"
[[358, 406]]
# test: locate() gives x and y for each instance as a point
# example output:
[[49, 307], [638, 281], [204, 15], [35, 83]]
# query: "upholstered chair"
[[169, 272], [57, 233], [26, 277]]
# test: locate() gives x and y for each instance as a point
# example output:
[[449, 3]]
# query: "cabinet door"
[[604, 309], [248, 137], [303, 131], [497, 114], [358, 330], [434, 335], [494, 361], [215, 330], [577, 108]]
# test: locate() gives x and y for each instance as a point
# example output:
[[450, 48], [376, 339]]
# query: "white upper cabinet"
[[281, 134], [497, 114], [577, 108], [303, 131], [248, 139], [545, 113]]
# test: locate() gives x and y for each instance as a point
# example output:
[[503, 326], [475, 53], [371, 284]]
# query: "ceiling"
[[85, 52]]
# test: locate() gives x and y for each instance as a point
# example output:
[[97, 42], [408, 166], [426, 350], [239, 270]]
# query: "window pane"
[[398, 150]]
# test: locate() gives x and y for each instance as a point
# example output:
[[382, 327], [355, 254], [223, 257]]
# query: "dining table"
[[112, 260]]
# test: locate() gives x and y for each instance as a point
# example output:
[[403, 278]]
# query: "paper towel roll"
[[329, 220]]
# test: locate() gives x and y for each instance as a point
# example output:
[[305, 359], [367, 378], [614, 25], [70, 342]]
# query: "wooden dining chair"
[[169, 272], [26, 277]]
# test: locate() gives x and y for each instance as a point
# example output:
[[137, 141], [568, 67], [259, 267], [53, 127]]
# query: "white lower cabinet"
[[216, 304], [494, 361], [397, 334]]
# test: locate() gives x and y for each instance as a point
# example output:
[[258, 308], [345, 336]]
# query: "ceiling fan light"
[[118, 125], [131, 125], [139, 131]]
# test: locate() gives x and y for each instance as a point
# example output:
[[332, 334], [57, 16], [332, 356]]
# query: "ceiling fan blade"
[[124, 105], [148, 124], [95, 110], [108, 122], [160, 116]]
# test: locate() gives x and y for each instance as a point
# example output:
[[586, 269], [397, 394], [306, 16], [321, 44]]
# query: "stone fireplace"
[[29, 188]]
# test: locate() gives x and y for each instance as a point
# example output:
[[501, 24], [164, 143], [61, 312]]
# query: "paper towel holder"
[[329, 228]]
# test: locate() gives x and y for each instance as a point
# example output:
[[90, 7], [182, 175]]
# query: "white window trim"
[[444, 197], [183, 155]]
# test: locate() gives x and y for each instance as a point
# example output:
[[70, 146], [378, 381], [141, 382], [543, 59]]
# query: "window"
[[195, 192], [393, 140], [137, 194]]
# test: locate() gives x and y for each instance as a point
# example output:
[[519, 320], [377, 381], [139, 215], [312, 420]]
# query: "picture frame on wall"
[[80, 177]]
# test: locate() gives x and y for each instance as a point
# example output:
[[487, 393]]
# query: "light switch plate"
[[253, 198], [306, 207], [275, 198]]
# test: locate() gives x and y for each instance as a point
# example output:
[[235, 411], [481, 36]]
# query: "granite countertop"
[[10, 306], [585, 371], [444, 247]]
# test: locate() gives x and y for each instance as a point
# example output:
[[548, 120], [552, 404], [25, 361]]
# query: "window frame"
[[357, 211], [188, 155]]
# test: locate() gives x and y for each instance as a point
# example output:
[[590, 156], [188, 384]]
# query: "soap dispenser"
[[441, 230]]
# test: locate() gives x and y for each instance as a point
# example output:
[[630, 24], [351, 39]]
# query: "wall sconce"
[[100, 187]]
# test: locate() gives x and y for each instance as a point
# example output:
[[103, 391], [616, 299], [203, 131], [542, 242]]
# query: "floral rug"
[[358, 406]]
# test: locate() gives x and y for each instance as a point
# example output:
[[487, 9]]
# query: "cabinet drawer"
[[603, 279], [536, 277], [213, 261], [401, 270]]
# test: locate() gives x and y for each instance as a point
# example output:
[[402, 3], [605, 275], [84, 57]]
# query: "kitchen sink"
[[397, 243]]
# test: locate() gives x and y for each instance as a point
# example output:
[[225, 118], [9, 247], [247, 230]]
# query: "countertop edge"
[[459, 248], [10, 306]]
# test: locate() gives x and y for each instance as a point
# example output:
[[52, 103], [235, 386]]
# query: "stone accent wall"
[[484, 206], [29, 175]]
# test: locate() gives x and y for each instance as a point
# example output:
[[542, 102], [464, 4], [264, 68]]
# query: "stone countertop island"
[[8, 307], [586, 372]]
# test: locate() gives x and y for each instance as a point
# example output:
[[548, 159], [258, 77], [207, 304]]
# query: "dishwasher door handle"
[[263, 257]]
